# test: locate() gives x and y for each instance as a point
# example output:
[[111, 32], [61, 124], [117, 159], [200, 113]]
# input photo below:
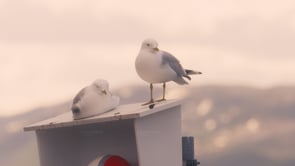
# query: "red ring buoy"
[[116, 161], [109, 160]]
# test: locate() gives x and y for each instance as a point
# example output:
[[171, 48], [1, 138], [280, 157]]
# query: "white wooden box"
[[143, 136]]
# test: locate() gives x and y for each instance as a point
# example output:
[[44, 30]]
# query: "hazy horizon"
[[231, 125], [50, 49]]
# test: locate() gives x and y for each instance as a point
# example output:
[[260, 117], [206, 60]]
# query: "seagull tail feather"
[[191, 72], [188, 77], [75, 109], [180, 81]]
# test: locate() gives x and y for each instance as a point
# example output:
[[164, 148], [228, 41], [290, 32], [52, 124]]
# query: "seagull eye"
[[148, 44]]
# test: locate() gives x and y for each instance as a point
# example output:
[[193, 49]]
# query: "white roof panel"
[[128, 111]]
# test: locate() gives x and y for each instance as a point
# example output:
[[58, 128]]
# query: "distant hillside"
[[232, 125]]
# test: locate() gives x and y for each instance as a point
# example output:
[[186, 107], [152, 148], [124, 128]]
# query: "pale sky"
[[50, 49]]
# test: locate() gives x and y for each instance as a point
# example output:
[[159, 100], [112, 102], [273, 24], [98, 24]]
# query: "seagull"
[[157, 66], [93, 100]]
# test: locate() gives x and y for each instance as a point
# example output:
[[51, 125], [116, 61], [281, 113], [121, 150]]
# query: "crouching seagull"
[[94, 99]]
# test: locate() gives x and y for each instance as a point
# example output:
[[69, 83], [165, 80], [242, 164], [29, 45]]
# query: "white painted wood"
[[142, 136], [77, 146], [158, 138], [128, 111]]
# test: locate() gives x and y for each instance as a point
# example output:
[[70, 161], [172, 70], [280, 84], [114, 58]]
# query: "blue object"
[[188, 153], [188, 148]]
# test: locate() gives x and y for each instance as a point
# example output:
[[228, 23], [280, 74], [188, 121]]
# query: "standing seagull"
[[157, 66]]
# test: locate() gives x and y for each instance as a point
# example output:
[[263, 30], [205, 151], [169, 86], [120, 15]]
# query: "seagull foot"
[[147, 103], [163, 99]]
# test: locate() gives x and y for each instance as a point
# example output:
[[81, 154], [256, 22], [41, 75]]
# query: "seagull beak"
[[156, 49], [104, 92]]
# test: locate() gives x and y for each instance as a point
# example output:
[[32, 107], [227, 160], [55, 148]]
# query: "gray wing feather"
[[79, 96], [174, 63]]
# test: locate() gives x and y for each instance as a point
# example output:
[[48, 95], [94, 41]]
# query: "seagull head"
[[101, 85], [150, 45]]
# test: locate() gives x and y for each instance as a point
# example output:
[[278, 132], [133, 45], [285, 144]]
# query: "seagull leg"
[[151, 88], [164, 91], [152, 99]]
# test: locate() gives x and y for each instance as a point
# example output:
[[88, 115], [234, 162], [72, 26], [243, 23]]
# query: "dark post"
[[188, 153]]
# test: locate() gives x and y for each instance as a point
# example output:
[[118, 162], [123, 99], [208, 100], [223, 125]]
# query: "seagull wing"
[[174, 63], [79, 96]]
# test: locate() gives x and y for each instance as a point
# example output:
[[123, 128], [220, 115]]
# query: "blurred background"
[[241, 110]]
